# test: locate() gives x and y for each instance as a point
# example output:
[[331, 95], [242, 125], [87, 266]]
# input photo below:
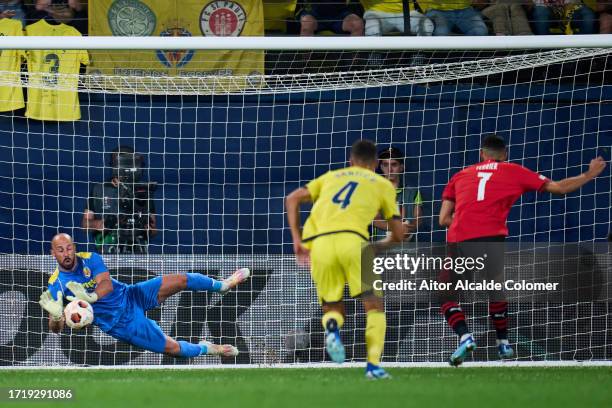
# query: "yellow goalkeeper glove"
[[80, 293], [54, 307]]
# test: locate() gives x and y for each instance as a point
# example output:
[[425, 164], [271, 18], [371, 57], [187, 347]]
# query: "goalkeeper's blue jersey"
[[108, 309]]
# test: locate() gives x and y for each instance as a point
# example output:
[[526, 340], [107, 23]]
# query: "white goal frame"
[[456, 43], [398, 43]]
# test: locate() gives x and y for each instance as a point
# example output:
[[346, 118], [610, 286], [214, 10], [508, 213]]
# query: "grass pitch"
[[495, 387]]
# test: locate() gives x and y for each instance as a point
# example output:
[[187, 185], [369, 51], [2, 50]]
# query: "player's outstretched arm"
[[292, 204], [56, 326], [104, 284], [570, 184]]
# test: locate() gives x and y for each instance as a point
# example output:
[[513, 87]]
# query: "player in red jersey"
[[475, 206]]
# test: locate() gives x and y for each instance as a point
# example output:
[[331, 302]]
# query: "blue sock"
[[197, 281], [189, 350]]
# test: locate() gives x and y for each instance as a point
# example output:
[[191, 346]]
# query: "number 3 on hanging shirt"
[[343, 196]]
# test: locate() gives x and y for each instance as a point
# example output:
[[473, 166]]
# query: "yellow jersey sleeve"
[[314, 187], [389, 206]]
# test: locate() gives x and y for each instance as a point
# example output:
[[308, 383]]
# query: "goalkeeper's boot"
[[223, 350], [374, 372], [334, 346], [504, 350], [466, 345], [237, 278]]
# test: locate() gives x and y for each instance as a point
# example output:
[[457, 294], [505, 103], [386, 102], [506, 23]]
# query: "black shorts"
[[488, 254]]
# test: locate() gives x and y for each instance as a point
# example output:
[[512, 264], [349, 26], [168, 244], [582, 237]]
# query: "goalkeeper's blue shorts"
[[134, 327]]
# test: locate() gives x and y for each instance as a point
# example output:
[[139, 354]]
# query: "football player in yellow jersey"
[[345, 203]]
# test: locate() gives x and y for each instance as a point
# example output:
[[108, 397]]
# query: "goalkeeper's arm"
[[56, 326], [104, 284], [55, 308]]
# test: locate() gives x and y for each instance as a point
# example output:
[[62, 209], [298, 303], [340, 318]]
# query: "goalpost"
[[224, 151]]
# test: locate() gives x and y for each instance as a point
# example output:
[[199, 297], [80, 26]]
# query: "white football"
[[78, 314]]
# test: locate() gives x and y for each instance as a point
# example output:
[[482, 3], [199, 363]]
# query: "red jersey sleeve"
[[449, 190], [530, 180]]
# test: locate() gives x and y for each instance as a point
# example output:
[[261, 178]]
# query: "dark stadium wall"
[[224, 164]]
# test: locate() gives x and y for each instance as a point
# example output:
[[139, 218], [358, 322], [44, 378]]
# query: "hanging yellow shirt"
[[54, 68], [11, 95], [347, 200]]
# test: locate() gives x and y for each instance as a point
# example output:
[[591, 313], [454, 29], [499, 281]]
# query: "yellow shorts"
[[335, 261]]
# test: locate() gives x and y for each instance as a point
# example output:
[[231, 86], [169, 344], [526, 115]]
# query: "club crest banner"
[[174, 18]]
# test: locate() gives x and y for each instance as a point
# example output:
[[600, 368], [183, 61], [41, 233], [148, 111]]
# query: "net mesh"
[[224, 151]]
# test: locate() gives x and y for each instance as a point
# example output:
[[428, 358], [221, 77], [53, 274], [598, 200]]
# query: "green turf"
[[411, 387]]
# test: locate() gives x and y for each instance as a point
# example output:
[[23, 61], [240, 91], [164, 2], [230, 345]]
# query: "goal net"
[[224, 150]]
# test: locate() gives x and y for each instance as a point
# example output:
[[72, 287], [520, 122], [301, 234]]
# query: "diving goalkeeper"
[[119, 309]]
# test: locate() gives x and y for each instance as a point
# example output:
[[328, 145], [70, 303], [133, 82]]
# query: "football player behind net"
[[119, 309], [475, 207]]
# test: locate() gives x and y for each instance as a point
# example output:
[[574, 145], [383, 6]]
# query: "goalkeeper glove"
[[54, 307], [80, 293]]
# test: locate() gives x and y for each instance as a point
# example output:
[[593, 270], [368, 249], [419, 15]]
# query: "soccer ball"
[[78, 314]]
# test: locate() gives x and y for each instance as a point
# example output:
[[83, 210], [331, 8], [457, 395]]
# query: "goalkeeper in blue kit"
[[119, 309]]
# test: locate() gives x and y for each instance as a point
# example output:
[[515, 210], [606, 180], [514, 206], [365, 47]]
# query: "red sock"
[[499, 316]]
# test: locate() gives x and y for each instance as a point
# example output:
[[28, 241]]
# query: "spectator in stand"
[[454, 14], [70, 12], [12, 9], [508, 17], [385, 16], [337, 16], [604, 7], [571, 14]]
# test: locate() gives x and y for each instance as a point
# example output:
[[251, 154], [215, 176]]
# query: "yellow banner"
[[176, 18]]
